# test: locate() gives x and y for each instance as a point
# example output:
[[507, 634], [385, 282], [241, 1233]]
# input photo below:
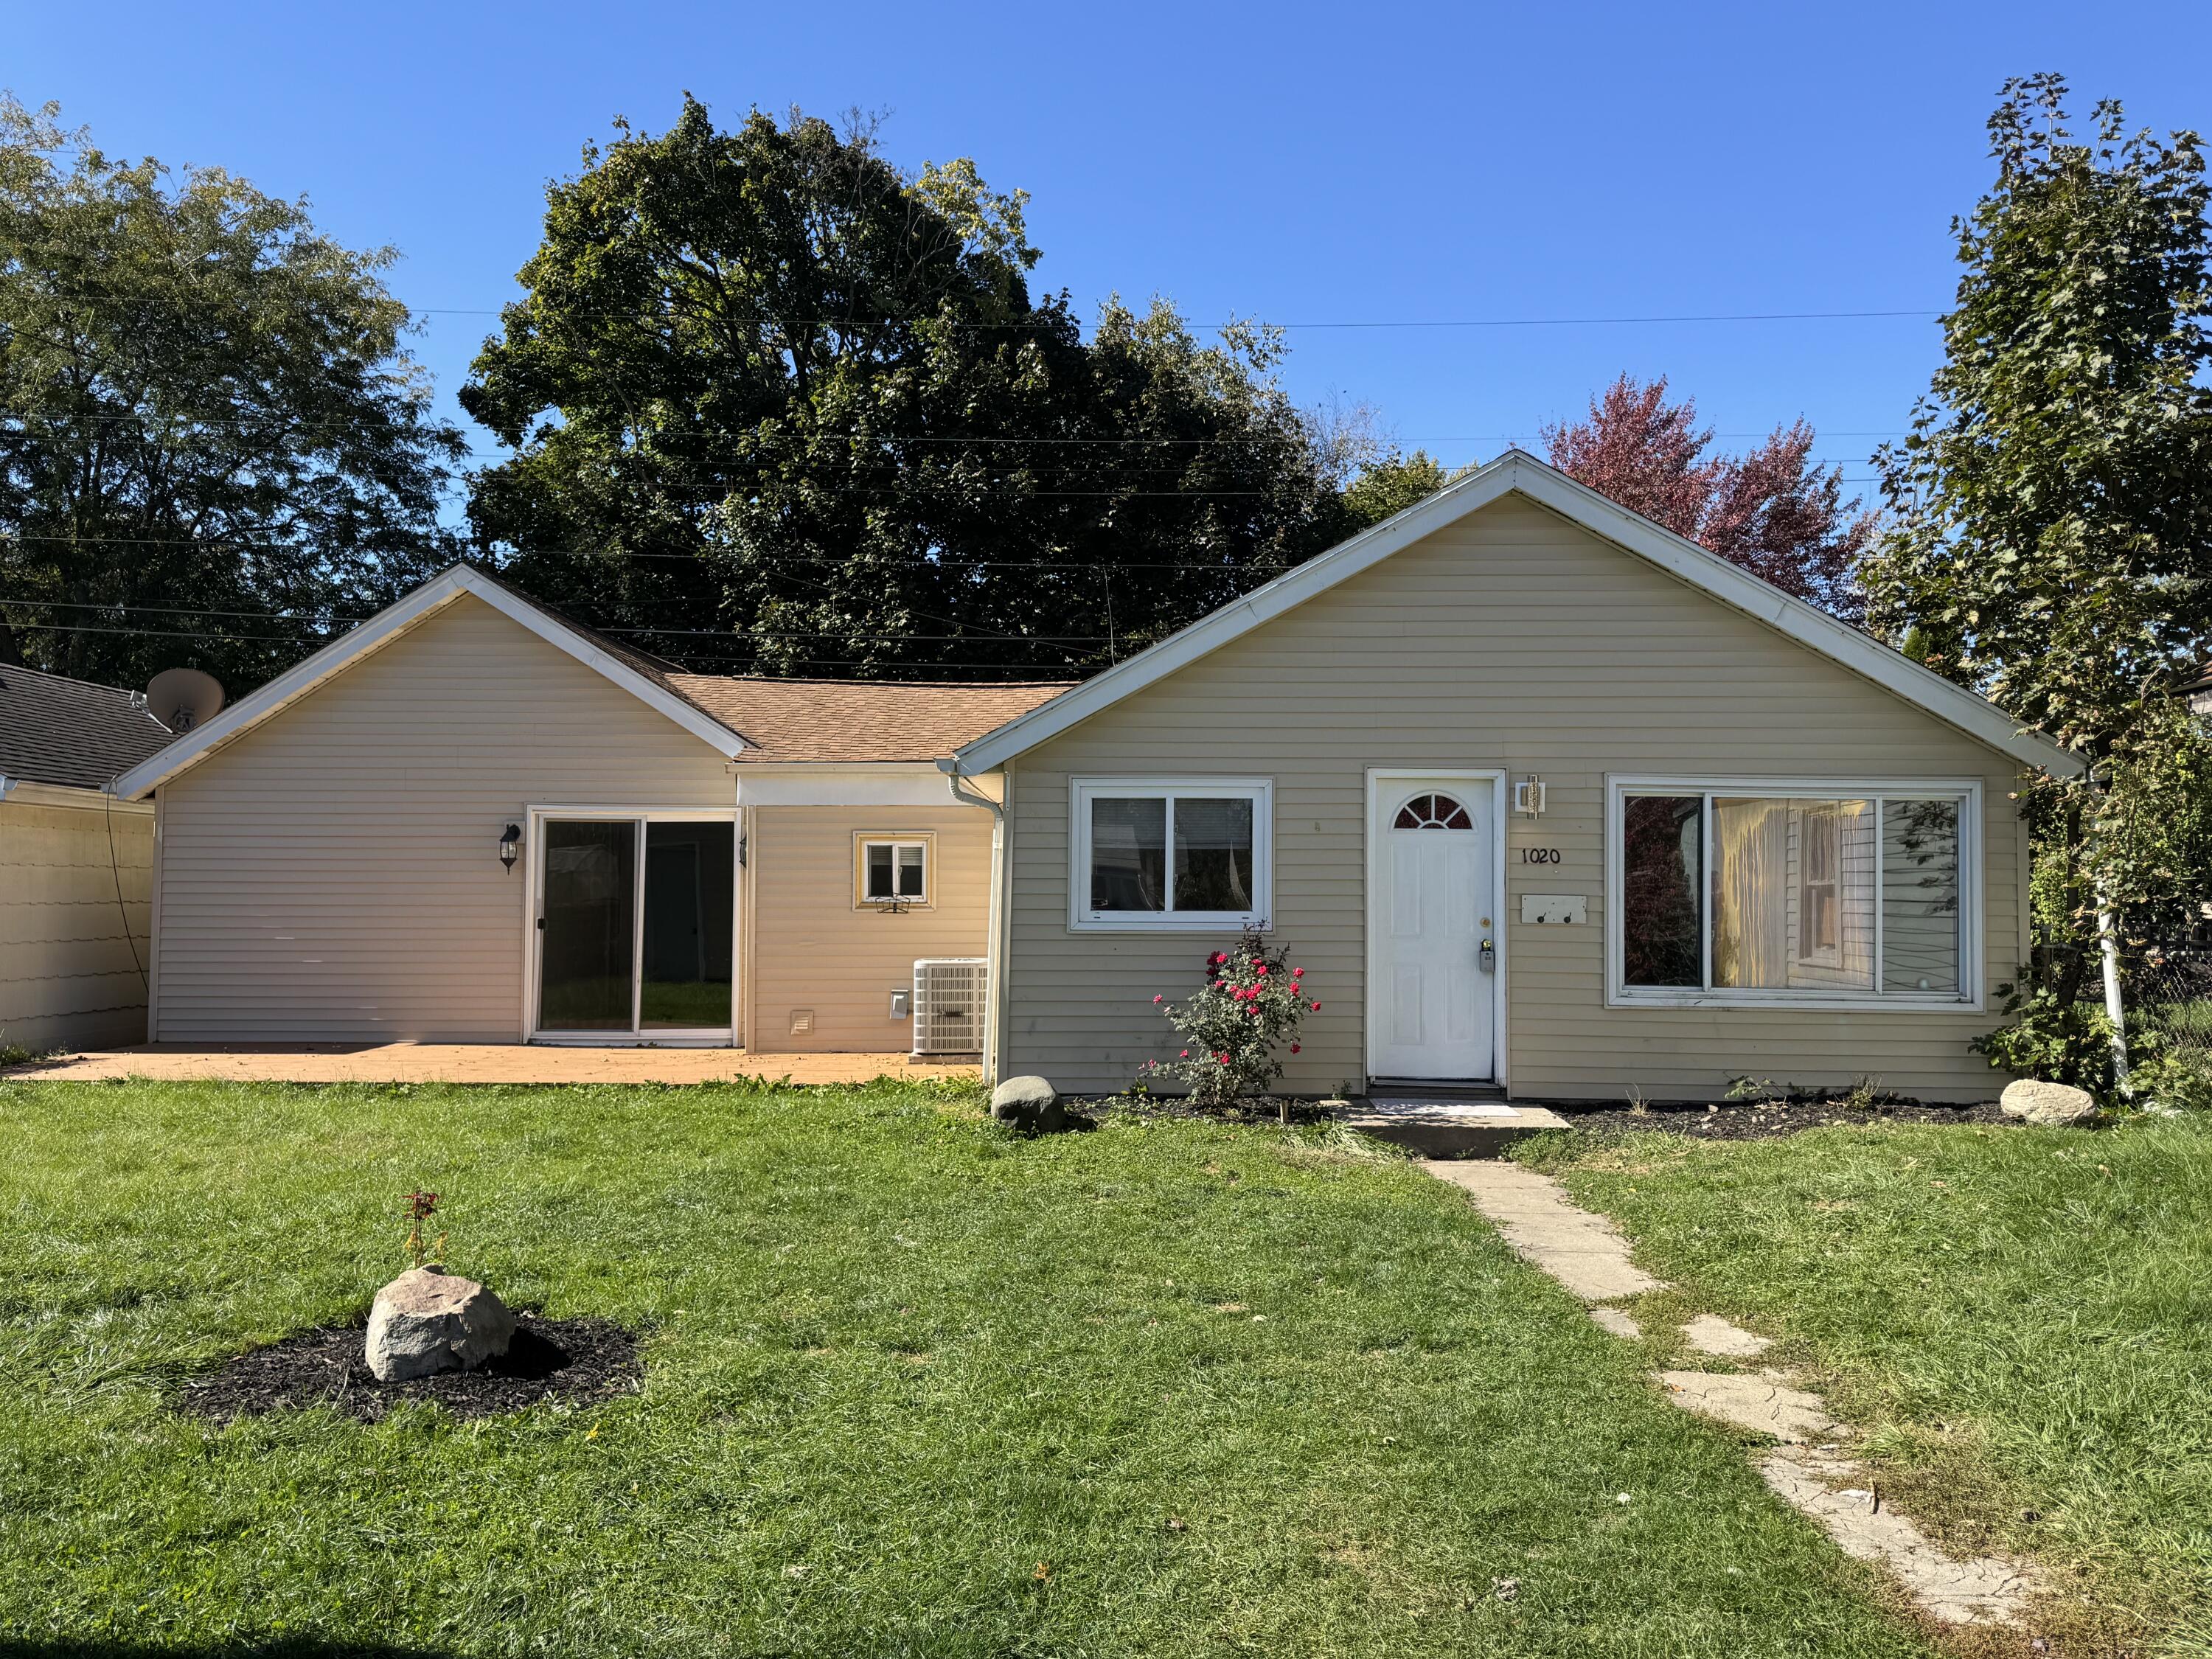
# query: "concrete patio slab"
[[1710, 1334], [1441, 1128], [1979, 1589], [1763, 1404], [469, 1062], [1584, 1252]]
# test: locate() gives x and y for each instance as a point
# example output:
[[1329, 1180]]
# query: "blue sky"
[[1401, 165]]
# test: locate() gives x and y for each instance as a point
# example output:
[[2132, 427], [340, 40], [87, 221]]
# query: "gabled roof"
[[640, 676], [756, 721], [868, 721], [1511, 472], [71, 733]]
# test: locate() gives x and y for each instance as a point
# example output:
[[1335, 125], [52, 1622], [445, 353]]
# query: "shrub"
[[2071, 1042], [1234, 1030]]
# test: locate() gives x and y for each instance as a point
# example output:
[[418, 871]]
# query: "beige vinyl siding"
[[69, 975], [1511, 639], [333, 875], [812, 949]]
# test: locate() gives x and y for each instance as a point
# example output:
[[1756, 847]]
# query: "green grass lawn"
[[914, 1385], [2022, 1318]]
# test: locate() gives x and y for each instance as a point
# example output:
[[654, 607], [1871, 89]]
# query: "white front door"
[[1429, 917]]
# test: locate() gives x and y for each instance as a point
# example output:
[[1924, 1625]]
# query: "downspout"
[[994, 944]]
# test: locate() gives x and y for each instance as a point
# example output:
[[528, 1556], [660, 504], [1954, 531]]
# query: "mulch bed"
[[1733, 1119], [578, 1362], [1761, 1119]]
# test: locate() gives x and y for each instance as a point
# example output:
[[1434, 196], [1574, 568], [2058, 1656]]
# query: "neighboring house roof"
[[748, 720], [1515, 471], [71, 733], [830, 721]]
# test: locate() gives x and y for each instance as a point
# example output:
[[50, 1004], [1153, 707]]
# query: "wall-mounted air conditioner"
[[948, 1005]]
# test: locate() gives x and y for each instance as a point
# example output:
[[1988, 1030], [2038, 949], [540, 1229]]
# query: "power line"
[[1010, 438], [1053, 320], [266, 639], [1056, 323]]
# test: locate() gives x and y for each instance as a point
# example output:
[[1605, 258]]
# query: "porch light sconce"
[[510, 846], [1528, 795]]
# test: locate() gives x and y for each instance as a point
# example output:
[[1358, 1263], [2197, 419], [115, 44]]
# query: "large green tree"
[[212, 445], [774, 404], [2050, 537]]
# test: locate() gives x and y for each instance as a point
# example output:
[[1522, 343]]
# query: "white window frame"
[[864, 839], [1967, 792], [1082, 919]]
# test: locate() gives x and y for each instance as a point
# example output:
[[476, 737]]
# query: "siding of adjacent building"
[[815, 949], [72, 878], [1511, 639], [333, 874]]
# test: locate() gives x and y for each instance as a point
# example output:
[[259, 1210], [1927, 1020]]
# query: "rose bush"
[[1235, 1029]]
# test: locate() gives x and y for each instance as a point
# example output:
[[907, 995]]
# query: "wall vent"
[[802, 1022]]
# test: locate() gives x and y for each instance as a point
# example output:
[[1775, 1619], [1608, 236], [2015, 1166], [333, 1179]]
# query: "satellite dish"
[[180, 698]]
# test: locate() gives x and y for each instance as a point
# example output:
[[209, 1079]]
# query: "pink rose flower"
[[1158, 1001], [1316, 1007], [1294, 1048]]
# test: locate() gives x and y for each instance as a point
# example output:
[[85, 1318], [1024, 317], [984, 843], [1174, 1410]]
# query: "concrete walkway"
[[1587, 1254], [469, 1062]]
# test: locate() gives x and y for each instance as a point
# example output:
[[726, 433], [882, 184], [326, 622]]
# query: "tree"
[[2051, 542], [774, 403], [1392, 482], [213, 449], [1772, 511]]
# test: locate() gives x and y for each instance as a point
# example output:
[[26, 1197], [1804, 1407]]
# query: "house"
[[471, 820], [75, 862], [1538, 793]]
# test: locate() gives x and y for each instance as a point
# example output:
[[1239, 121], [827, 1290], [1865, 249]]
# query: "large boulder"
[[428, 1320], [2054, 1105], [1028, 1103]]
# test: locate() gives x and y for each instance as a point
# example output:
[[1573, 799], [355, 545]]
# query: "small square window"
[[893, 873]]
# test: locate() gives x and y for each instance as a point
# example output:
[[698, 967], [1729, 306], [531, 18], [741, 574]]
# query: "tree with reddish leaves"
[[1773, 511]]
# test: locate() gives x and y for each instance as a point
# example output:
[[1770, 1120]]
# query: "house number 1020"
[[1540, 855]]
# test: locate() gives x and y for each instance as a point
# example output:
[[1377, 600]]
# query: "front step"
[[1460, 1123]]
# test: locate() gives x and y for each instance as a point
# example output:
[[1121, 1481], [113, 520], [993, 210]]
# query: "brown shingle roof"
[[54, 730], [858, 720]]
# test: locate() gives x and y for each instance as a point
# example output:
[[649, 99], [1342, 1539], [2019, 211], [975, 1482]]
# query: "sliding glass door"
[[635, 931]]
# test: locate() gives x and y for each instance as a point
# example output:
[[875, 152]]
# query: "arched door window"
[[1432, 812]]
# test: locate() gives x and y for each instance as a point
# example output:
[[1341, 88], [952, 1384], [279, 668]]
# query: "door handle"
[[1486, 958]]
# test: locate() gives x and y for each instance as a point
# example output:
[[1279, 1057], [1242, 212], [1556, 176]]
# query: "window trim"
[[1972, 849], [1081, 919], [863, 839]]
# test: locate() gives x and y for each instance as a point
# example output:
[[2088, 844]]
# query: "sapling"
[[420, 1207]]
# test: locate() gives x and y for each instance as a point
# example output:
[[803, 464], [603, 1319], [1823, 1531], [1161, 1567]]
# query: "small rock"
[[428, 1320], [1028, 1103], [2053, 1105]]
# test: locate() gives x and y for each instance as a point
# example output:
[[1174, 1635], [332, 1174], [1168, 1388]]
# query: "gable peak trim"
[[1516, 471], [391, 624]]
